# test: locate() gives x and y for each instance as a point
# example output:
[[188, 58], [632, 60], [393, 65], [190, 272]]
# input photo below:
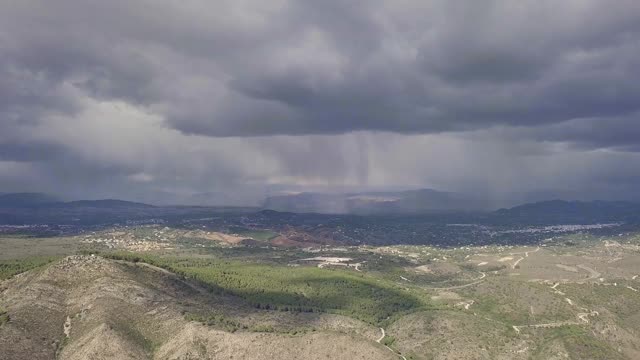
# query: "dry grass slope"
[[118, 310]]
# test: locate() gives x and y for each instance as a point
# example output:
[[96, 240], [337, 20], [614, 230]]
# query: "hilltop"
[[89, 307], [560, 211]]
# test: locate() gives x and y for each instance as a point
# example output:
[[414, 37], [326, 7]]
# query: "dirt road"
[[475, 282], [592, 273], [381, 336], [379, 341]]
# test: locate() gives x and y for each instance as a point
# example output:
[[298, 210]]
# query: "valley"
[[163, 292]]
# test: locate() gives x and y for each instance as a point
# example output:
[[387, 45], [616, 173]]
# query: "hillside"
[[86, 307], [156, 294], [560, 211]]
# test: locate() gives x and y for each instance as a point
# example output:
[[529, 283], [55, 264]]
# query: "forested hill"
[[559, 211]]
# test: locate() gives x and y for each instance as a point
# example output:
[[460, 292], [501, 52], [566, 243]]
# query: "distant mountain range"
[[107, 203], [412, 202], [39, 200], [26, 200], [427, 201], [398, 202], [573, 211]]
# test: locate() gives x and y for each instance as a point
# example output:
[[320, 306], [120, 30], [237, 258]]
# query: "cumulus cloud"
[[145, 99]]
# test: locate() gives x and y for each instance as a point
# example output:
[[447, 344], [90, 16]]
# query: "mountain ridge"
[[573, 210], [383, 202], [35, 200]]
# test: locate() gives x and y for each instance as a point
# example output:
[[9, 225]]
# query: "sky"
[[225, 101]]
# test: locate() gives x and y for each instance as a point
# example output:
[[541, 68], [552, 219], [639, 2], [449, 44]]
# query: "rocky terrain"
[[87, 307], [200, 294]]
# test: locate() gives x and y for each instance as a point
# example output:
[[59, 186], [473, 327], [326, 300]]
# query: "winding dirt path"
[[592, 273], [379, 341], [475, 282], [526, 253], [513, 266], [381, 336], [582, 317]]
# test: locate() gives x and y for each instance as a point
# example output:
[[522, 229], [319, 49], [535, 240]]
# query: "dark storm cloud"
[[308, 67], [618, 133], [135, 88]]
